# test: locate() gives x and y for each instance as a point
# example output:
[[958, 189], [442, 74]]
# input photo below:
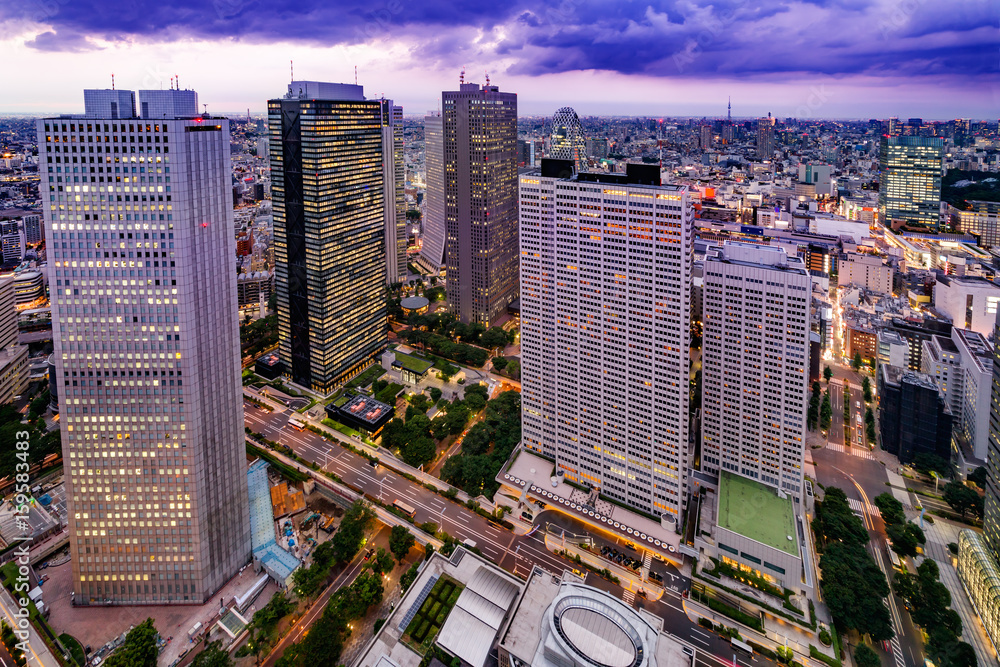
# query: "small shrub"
[[705, 623]]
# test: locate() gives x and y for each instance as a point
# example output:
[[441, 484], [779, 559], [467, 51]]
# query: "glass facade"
[[977, 568], [329, 236], [991, 517], [567, 138], [910, 180]]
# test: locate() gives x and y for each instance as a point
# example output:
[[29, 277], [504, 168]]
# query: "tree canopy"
[[139, 648]]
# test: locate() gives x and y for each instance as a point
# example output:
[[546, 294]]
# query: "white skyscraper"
[[605, 330], [432, 250], [394, 195], [147, 356], [755, 364]]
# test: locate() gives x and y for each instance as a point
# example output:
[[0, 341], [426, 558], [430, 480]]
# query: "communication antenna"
[[487, 78], [177, 80], [291, 66], [112, 81], [461, 77], [355, 75]]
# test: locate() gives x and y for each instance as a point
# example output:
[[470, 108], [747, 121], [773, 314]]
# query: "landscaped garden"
[[429, 619]]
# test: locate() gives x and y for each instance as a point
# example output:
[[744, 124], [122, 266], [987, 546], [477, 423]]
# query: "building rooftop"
[[978, 346], [414, 302], [278, 562], [757, 512], [411, 363], [366, 409]]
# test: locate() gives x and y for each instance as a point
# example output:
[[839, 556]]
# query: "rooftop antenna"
[[355, 75], [291, 65], [461, 77], [487, 78], [112, 81], [205, 106], [177, 80]]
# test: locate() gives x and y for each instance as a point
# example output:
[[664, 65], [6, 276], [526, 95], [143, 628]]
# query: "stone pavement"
[[939, 534]]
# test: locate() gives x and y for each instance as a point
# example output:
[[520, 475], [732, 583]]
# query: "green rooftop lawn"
[[755, 511], [415, 364]]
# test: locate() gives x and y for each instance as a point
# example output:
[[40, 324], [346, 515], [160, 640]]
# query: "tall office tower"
[[727, 133], [8, 313], [705, 136], [147, 354], [910, 180], [605, 329], [892, 126], [991, 516], [568, 142], [433, 237], [394, 194], [480, 167], [13, 357], [765, 138], [755, 365], [327, 189]]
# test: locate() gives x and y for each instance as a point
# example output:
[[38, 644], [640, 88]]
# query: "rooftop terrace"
[[755, 511]]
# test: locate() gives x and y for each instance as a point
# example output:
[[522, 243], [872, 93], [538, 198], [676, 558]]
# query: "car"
[[369, 554], [630, 546], [658, 557], [373, 463], [688, 651]]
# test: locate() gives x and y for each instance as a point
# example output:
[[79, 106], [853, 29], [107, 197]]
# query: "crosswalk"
[[860, 452], [628, 596], [859, 508]]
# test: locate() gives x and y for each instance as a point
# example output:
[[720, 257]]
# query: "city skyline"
[[853, 60]]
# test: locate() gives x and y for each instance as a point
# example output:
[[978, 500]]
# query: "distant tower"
[[729, 111], [567, 137]]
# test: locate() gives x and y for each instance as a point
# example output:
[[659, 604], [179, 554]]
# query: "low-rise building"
[[868, 271], [363, 413], [892, 349], [942, 361]]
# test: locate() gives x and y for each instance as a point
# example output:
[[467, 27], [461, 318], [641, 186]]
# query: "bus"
[[404, 508], [296, 423], [741, 646]]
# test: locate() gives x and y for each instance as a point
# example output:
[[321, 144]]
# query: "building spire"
[[729, 110]]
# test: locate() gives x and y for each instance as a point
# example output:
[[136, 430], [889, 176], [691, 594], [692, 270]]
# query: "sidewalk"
[[38, 653], [939, 534]]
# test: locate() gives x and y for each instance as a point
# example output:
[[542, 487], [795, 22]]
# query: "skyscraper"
[[480, 173], [394, 184], [328, 191], [605, 329], [433, 243], [765, 138], [755, 365], [568, 142], [705, 136], [147, 351], [910, 180]]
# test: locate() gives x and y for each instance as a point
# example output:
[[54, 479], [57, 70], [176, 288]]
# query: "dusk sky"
[[850, 59]]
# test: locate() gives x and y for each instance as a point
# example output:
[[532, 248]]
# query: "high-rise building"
[[597, 148], [568, 142], [910, 181], [328, 196], [12, 241], [605, 330], [705, 137], [34, 229], [147, 353], [434, 233], [755, 364], [394, 194], [914, 416], [480, 173], [765, 138]]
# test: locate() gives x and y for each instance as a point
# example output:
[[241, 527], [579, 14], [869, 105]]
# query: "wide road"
[[862, 477], [514, 553]]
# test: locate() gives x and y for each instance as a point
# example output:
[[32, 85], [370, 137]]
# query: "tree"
[[514, 369], [493, 338], [212, 656], [864, 656], [401, 540], [906, 537], [854, 587], [856, 362], [435, 394], [346, 542], [978, 477], [836, 522], [825, 412], [499, 363], [927, 463], [866, 388], [382, 562], [963, 499], [827, 374], [138, 649], [890, 508], [367, 589]]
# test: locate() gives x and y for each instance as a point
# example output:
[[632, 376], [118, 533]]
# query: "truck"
[[469, 543]]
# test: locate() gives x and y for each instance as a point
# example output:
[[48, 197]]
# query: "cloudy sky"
[[820, 59]]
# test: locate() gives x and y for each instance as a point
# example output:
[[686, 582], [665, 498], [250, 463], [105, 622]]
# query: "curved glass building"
[[567, 137]]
